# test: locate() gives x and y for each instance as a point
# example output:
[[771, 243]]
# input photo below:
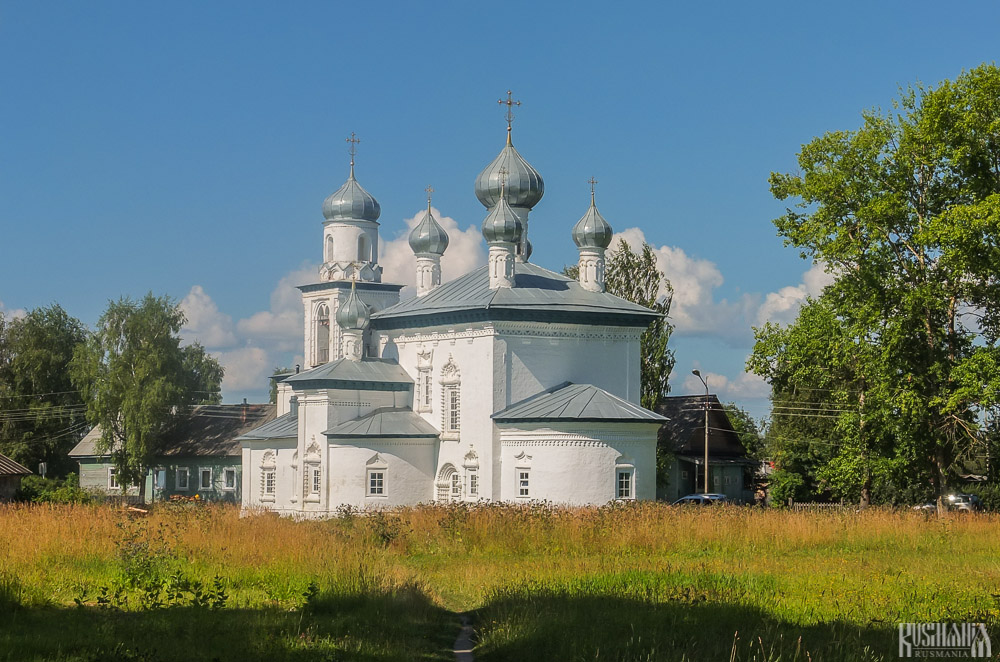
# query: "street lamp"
[[704, 381]]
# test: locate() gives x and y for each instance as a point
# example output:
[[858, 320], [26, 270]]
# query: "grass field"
[[629, 582]]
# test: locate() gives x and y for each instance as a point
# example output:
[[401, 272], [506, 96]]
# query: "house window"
[[453, 418], [625, 484], [230, 479], [376, 483], [160, 479], [473, 482], [317, 479], [205, 478], [113, 479], [456, 486], [684, 474], [522, 482], [268, 480], [182, 478]]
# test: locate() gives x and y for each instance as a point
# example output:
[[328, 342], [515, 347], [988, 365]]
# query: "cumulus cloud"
[[743, 386], [247, 368], [465, 252], [783, 306], [280, 327], [11, 313], [694, 310], [205, 323]]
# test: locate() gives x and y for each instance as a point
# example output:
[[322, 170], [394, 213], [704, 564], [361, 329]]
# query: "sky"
[[185, 148]]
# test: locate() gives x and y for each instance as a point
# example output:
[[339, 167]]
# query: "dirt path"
[[463, 644]]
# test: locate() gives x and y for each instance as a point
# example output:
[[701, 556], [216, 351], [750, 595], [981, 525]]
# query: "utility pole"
[[704, 381]]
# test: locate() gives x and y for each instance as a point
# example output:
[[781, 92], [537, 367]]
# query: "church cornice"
[[508, 315], [361, 285]]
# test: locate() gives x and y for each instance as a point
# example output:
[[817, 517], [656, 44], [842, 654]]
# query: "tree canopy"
[[905, 212], [135, 378], [42, 413]]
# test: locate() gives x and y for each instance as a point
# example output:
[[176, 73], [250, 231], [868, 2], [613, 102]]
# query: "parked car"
[[963, 502], [700, 500]]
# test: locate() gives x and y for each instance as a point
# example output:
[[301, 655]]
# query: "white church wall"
[[576, 463], [278, 455], [345, 241], [407, 468]]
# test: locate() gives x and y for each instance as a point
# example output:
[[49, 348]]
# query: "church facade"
[[509, 383]]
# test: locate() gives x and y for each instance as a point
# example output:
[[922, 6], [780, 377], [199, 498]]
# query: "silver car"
[[700, 500]]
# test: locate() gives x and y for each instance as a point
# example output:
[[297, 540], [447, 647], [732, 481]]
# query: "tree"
[[136, 379], [906, 212], [42, 413], [636, 278], [747, 429]]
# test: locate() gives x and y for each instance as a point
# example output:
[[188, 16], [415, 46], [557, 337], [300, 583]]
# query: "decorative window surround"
[[268, 477], [425, 381], [451, 400], [376, 472], [522, 473]]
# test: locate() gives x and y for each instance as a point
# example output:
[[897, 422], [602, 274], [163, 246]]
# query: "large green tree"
[[41, 412], [635, 276], [906, 212], [136, 379]]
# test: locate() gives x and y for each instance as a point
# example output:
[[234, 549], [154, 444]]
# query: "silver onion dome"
[[351, 202], [592, 231], [353, 314], [524, 185], [428, 236], [502, 224]]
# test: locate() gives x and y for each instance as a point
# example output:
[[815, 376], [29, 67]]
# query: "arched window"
[[449, 484], [329, 249], [364, 249], [322, 334]]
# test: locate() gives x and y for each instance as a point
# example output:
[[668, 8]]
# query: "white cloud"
[[745, 385], [783, 306], [205, 323], [247, 368], [280, 327], [11, 313], [465, 252]]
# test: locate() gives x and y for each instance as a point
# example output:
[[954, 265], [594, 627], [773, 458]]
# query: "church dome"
[[502, 224], [592, 231], [353, 314], [524, 185], [428, 236], [351, 203]]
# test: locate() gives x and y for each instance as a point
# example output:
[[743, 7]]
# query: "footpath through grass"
[[625, 582]]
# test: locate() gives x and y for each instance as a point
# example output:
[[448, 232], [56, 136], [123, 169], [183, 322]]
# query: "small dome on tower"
[[592, 231], [353, 314], [502, 224], [351, 202], [524, 185], [428, 236]]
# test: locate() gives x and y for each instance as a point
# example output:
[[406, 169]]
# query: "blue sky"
[[186, 148]]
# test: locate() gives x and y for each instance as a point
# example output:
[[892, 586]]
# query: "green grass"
[[639, 582]]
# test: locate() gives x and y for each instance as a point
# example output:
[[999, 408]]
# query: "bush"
[[989, 493], [53, 490], [786, 485]]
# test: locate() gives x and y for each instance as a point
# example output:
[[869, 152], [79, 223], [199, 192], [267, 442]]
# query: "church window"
[[329, 249], [427, 389], [205, 478], [456, 486], [269, 482], [181, 479], [523, 483], [376, 483], [424, 381], [625, 484], [473, 482], [453, 413], [364, 249], [317, 480], [451, 405], [268, 476], [322, 334]]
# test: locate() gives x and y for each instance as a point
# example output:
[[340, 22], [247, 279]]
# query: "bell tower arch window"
[[364, 249], [329, 248], [322, 334]]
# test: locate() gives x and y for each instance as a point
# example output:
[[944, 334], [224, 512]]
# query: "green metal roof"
[[575, 402], [384, 422], [283, 427], [538, 295], [366, 374]]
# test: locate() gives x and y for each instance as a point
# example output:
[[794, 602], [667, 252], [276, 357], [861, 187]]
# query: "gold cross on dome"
[[510, 103], [430, 190], [353, 150]]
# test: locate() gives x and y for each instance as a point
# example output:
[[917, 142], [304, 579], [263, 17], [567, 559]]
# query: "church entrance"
[[449, 484]]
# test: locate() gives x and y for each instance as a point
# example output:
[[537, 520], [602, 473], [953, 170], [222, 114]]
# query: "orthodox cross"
[[503, 179], [430, 190], [510, 103], [592, 182], [353, 150]]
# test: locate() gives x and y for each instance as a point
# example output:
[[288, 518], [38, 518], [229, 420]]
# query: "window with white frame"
[[428, 390], [229, 479], [376, 482], [456, 486], [451, 403], [317, 479], [269, 482], [523, 483], [113, 479], [205, 478], [625, 486], [473, 482], [182, 479], [268, 476]]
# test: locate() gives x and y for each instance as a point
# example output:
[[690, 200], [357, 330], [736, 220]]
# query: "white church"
[[510, 383]]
